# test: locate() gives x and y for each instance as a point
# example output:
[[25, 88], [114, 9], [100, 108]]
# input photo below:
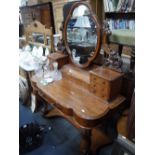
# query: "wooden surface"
[[106, 73], [77, 103], [105, 83], [59, 57], [76, 73]]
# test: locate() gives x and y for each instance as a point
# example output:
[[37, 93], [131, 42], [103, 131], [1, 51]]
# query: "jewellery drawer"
[[105, 83]]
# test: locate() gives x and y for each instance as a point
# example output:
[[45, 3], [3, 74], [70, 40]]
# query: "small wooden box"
[[59, 57], [105, 83]]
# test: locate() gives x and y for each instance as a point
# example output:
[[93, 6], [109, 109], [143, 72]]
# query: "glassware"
[[56, 40], [43, 63], [56, 74], [46, 76]]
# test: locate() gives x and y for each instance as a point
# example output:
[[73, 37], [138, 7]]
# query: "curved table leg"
[[92, 141], [92, 138], [85, 142]]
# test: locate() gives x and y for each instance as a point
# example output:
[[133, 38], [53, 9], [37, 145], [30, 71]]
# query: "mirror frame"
[[98, 30]]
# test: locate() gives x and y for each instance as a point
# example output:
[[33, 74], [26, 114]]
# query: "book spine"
[[121, 24], [119, 5], [111, 6], [105, 6], [124, 7], [130, 5], [107, 3]]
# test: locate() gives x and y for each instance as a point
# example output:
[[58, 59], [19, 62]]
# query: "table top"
[[75, 100]]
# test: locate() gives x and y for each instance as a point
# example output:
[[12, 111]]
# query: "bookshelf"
[[120, 14], [119, 5], [121, 22]]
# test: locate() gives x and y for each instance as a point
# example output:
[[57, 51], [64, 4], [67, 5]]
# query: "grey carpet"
[[62, 139]]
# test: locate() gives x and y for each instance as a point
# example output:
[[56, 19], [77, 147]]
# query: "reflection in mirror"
[[81, 35], [81, 10], [37, 37]]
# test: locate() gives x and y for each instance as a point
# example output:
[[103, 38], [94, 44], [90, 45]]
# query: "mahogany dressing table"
[[87, 94]]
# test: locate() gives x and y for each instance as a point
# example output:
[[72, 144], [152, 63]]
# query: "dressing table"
[[87, 94]]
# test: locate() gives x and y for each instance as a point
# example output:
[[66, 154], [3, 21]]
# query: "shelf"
[[119, 12], [123, 15], [35, 5]]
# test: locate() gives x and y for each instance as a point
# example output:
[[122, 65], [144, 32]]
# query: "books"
[[131, 5], [119, 5], [121, 24]]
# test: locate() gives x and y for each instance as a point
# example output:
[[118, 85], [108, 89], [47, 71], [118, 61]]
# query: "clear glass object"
[[56, 74], [43, 63], [47, 75]]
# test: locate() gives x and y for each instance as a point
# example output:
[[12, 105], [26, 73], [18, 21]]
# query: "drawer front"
[[97, 80], [98, 86], [101, 92]]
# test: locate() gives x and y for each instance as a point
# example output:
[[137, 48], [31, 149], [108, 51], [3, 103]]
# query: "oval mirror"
[[82, 34]]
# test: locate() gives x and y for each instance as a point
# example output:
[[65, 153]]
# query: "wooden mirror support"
[[90, 25]]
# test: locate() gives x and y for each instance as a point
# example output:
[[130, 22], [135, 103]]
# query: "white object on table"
[[47, 52], [40, 52], [34, 51], [26, 61], [27, 48]]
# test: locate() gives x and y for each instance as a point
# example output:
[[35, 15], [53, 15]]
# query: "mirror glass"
[[39, 38], [81, 35]]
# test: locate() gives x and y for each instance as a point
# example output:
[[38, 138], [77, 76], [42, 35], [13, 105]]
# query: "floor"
[[62, 139]]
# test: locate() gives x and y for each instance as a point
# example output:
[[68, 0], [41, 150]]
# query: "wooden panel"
[[97, 8], [105, 83], [59, 57], [45, 17], [98, 86]]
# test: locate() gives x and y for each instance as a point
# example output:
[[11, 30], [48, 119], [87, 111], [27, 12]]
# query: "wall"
[[58, 13]]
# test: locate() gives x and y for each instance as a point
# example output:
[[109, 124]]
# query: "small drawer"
[[97, 80], [93, 78]]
